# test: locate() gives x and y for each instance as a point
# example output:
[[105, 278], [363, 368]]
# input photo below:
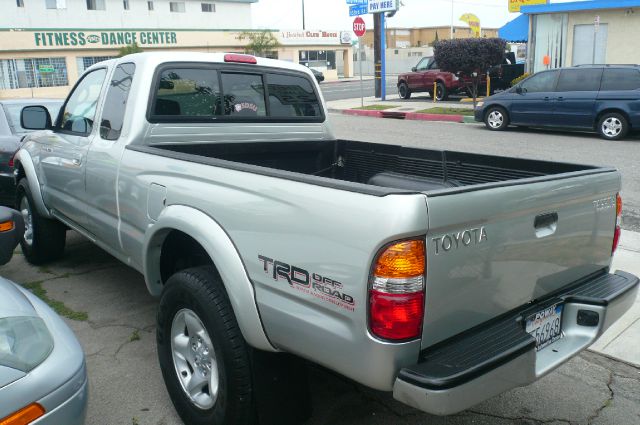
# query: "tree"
[[260, 42], [469, 58], [129, 50], [435, 41]]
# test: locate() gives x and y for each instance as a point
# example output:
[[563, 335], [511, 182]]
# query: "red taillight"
[[396, 297], [12, 158], [396, 316], [238, 58], [618, 230]]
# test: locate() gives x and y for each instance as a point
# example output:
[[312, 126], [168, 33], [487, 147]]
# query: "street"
[[574, 147], [351, 89]]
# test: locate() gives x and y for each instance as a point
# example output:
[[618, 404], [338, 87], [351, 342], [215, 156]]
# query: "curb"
[[412, 116]]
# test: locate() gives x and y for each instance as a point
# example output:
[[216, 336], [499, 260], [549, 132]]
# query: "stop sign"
[[358, 26]]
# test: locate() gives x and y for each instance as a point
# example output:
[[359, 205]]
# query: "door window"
[[586, 79], [423, 64], [80, 110], [541, 82], [621, 79], [116, 101], [433, 64]]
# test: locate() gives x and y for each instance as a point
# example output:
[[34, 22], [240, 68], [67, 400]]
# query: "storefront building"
[[401, 38], [46, 44], [583, 32]]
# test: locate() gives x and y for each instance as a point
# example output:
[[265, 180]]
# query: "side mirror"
[[35, 117], [414, 69], [11, 231], [519, 90]]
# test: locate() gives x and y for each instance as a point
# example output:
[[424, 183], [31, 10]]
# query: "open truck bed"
[[373, 168]]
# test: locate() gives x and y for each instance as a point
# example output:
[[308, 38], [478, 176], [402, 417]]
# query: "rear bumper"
[[497, 356]]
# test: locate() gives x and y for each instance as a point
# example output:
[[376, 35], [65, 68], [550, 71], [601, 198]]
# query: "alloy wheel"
[[194, 359], [495, 119], [611, 127]]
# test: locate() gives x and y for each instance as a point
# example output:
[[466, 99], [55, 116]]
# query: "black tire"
[[403, 91], [613, 126], [200, 290], [496, 118], [441, 91], [44, 239]]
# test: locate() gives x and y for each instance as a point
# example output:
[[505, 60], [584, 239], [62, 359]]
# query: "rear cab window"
[[215, 92]]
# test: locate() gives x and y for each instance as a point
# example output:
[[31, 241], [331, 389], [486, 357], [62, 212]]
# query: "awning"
[[516, 31]]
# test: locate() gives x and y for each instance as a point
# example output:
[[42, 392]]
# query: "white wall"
[[228, 15]]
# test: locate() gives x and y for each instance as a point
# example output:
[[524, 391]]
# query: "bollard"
[[435, 91], [488, 85]]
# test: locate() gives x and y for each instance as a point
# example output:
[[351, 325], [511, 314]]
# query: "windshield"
[[13, 110]]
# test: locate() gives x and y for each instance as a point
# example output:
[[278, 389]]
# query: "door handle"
[[545, 224], [547, 98], [561, 99], [76, 160], [48, 149]]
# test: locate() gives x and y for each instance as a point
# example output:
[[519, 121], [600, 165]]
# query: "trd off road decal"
[[310, 283]]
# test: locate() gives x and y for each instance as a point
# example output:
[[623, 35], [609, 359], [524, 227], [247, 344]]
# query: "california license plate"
[[545, 326]]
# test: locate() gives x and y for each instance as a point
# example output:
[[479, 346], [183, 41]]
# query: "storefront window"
[[32, 73], [550, 41], [323, 59], [85, 62]]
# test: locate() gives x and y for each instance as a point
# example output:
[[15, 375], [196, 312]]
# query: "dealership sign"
[[312, 37], [103, 38], [515, 5]]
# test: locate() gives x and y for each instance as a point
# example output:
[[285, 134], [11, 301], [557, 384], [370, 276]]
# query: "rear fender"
[[24, 162], [220, 248]]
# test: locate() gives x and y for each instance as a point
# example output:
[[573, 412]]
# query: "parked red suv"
[[424, 75]]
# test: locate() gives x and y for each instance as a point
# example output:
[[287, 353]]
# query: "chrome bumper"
[[488, 360]]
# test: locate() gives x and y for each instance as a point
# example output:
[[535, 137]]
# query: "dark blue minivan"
[[604, 98]]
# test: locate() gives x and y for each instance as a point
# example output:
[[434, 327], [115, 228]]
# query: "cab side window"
[[115, 104], [541, 82], [80, 110]]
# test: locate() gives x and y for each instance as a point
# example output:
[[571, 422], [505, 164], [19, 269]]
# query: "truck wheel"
[[496, 118], [441, 92], [203, 356], [43, 239], [403, 91], [613, 126]]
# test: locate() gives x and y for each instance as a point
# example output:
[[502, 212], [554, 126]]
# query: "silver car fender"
[[215, 241], [23, 160]]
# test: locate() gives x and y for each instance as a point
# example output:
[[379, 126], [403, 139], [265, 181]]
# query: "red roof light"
[[238, 58]]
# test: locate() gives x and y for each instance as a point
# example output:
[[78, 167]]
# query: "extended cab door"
[[533, 102], [64, 154], [103, 158], [576, 95], [429, 76]]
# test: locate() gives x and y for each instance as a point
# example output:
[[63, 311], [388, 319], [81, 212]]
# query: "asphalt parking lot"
[[126, 387]]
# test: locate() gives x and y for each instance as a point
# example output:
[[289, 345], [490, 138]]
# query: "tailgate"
[[490, 251]]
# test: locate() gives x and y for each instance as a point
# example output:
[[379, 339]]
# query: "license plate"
[[545, 326]]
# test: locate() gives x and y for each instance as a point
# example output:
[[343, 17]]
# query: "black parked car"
[[319, 75], [601, 98]]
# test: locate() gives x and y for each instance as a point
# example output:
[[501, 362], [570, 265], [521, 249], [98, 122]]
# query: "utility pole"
[[303, 26], [451, 36], [377, 54]]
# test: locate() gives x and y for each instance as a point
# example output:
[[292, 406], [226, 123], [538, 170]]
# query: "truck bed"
[[373, 168]]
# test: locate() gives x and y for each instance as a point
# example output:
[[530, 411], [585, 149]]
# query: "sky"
[[334, 14]]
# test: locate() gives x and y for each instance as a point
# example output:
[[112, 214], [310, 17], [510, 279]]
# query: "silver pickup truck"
[[445, 277]]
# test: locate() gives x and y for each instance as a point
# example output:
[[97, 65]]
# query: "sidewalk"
[[622, 340], [401, 108]]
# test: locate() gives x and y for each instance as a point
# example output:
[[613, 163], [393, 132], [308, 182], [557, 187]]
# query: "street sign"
[[377, 6], [360, 2], [359, 27], [46, 69], [358, 10]]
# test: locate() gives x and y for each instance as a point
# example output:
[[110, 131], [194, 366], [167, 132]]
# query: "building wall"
[[418, 37], [228, 15], [623, 27]]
